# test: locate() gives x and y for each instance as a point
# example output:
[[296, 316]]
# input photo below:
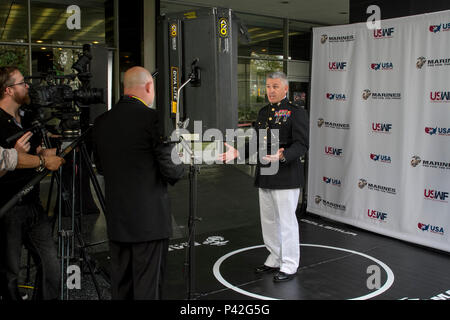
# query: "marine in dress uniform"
[[279, 192]]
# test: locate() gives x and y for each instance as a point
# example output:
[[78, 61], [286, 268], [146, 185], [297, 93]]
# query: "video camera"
[[56, 91]]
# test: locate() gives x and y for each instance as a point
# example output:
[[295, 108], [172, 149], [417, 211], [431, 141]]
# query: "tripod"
[[66, 237]]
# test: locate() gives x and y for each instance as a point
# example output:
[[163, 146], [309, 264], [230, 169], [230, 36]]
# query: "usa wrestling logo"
[[439, 27], [332, 181], [336, 96], [383, 66], [380, 158], [431, 228], [439, 131]]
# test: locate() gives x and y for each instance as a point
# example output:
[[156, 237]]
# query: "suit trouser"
[[280, 228], [137, 269]]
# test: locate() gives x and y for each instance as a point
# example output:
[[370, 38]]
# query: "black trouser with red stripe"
[[137, 269]]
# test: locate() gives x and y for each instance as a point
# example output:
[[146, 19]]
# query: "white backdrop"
[[379, 155]]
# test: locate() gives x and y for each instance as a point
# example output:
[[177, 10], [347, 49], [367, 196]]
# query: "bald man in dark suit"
[[137, 168]]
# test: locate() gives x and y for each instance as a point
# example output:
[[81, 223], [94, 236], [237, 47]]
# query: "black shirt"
[[14, 181]]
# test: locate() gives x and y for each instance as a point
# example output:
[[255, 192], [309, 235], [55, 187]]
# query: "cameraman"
[[26, 223], [17, 157]]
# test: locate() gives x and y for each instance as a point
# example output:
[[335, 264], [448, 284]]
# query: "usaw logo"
[[332, 181], [430, 228], [382, 66], [380, 157], [439, 27], [336, 96], [437, 131]]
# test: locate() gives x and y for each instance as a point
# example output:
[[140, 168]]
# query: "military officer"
[[279, 191]]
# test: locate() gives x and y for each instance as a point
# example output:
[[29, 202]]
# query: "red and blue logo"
[[430, 228], [332, 151], [382, 66], [337, 65], [439, 27], [440, 96], [377, 215], [437, 131], [383, 33], [435, 195], [380, 158], [336, 96], [381, 127], [332, 181]]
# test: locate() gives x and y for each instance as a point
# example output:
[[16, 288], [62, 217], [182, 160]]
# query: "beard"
[[22, 99]]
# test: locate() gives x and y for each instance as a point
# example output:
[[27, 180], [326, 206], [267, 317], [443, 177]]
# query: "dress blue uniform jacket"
[[293, 125]]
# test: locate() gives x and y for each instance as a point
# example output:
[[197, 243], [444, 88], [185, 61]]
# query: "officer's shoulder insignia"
[[294, 105]]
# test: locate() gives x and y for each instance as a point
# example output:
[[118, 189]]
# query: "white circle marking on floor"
[[385, 287]]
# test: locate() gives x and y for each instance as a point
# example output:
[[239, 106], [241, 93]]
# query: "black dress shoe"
[[264, 269], [282, 276]]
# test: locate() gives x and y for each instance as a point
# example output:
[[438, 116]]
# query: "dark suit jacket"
[[292, 123], [137, 168]]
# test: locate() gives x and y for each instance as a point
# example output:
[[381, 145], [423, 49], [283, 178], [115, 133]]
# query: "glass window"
[[261, 55], [78, 22], [54, 60], [265, 33], [252, 84], [15, 56], [300, 40], [13, 21]]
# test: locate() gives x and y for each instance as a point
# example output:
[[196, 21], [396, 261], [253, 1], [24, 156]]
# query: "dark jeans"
[[28, 225], [137, 269]]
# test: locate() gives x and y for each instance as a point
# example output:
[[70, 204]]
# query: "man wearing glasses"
[[26, 223]]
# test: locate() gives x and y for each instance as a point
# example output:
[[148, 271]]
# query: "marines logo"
[[317, 199], [362, 183], [320, 122], [323, 38], [420, 62], [366, 94], [415, 161]]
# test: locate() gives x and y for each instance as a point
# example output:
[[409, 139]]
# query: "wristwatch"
[[41, 164]]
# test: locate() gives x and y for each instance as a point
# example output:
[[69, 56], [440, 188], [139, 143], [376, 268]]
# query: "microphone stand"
[[194, 79]]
